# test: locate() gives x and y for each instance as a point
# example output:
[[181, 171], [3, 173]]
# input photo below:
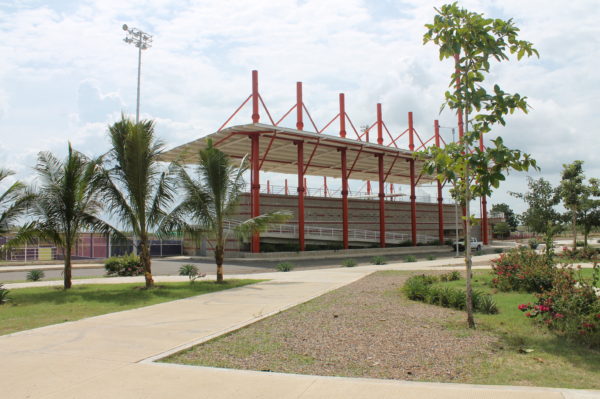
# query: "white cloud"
[[66, 73]]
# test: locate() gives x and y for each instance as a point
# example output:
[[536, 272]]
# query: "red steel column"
[[484, 217], [299, 122], [300, 148], [344, 198], [413, 197], [325, 186], [436, 126], [342, 116], [286, 187], [379, 125], [255, 99], [254, 173], [381, 201]]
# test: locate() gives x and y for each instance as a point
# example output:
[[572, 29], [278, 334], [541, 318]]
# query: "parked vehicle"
[[476, 245]]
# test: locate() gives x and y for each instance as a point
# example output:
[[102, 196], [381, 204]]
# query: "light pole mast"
[[142, 41]]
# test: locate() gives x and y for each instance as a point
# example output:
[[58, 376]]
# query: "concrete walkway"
[[111, 356]]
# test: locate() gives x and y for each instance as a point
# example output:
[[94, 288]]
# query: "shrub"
[[422, 288], [431, 257], [434, 242], [348, 263], [284, 266], [410, 258], [585, 253], [3, 294], [449, 242], [522, 269], [533, 243], [35, 275], [571, 308], [405, 243], [379, 260], [128, 265], [479, 252], [498, 250], [580, 243], [450, 276], [191, 271]]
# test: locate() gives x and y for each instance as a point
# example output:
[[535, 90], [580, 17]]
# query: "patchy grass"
[[36, 307]]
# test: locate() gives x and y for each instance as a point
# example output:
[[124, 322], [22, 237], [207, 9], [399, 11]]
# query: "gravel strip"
[[365, 329]]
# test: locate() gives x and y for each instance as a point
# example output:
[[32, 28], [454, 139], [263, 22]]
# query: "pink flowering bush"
[[128, 265], [522, 269], [570, 308]]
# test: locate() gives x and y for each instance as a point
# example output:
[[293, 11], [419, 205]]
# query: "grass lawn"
[[36, 307], [554, 361]]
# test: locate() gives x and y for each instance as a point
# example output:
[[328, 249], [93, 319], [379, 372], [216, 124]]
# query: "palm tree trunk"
[[67, 270], [146, 261], [469, 264], [219, 250]]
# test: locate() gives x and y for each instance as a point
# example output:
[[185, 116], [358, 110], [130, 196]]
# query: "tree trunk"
[[574, 221], [468, 264], [219, 250], [146, 262], [67, 270]]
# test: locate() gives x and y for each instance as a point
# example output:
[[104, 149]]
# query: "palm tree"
[[67, 202], [13, 202], [135, 188], [211, 199]]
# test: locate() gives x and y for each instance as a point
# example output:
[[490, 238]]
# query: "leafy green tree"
[[572, 191], [509, 215], [211, 198], [474, 41], [541, 199], [589, 211], [136, 189], [501, 230], [67, 202], [13, 202]]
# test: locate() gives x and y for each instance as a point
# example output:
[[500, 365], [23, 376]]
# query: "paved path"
[[111, 356]]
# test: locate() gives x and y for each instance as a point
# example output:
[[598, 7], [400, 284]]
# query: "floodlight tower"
[[142, 41]]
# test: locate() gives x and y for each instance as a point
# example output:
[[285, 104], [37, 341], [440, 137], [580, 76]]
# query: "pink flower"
[[522, 307]]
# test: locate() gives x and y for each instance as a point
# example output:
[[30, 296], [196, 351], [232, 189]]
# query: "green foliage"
[[68, 201], [509, 216], [35, 275], [4, 294], [578, 254], [348, 263], [379, 260], [501, 230], [580, 243], [431, 257], [450, 276], [13, 201], [522, 270], [128, 265], [284, 266], [479, 252], [210, 198], [191, 271], [570, 308], [423, 288], [410, 258], [541, 198], [498, 250], [533, 243]]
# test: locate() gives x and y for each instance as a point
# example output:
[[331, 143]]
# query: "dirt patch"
[[365, 329]]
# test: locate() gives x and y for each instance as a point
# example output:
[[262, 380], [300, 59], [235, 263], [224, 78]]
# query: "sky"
[[66, 73]]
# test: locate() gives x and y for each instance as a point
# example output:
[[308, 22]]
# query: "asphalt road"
[[170, 267]]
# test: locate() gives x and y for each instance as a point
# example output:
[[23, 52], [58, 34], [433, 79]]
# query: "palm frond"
[[261, 223]]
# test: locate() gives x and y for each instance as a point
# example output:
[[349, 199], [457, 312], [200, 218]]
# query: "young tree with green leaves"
[[541, 199], [589, 209], [211, 198], [474, 41], [136, 188], [67, 202], [572, 191]]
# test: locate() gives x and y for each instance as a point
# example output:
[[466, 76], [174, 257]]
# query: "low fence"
[[89, 246]]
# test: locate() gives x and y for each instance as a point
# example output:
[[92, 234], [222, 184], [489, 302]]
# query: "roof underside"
[[279, 154]]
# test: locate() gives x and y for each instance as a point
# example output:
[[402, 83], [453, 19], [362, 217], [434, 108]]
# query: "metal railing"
[[333, 233]]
